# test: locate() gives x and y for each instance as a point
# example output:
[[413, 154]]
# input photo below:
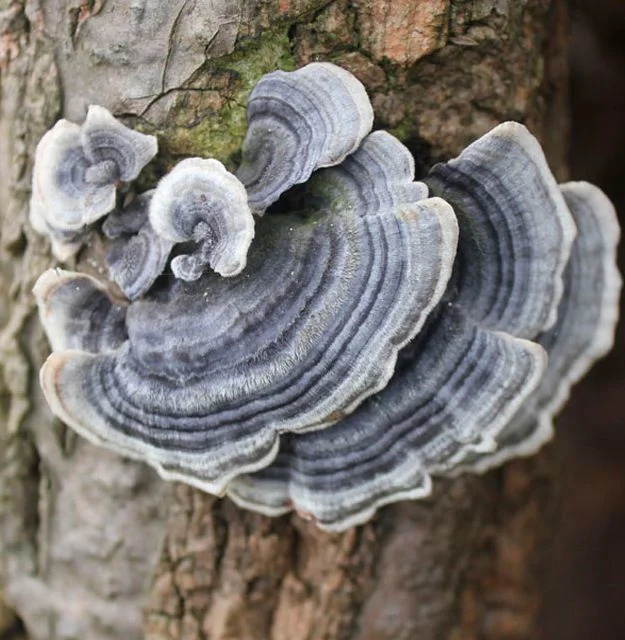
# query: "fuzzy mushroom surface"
[[79, 312], [213, 370], [367, 334], [471, 368], [298, 122], [200, 201], [136, 255], [76, 171], [583, 332]]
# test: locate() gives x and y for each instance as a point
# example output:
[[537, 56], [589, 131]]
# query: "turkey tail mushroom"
[[114, 151], [200, 201], [136, 255], [515, 228], [350, 355], [75, 175], [78, 312], [469, 370], [298, 122], [129, 219], [584, 330], [215, 369]]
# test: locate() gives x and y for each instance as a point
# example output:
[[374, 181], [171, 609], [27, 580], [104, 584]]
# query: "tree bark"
[[98, 547]]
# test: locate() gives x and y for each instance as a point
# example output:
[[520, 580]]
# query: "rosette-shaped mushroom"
[[583, 333], [136, 255], [342, 363], [298, 122], [200, 201], [75, 175], [213, 371], [472, 366]]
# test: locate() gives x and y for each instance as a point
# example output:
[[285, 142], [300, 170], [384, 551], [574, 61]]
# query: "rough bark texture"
[[82, 529]]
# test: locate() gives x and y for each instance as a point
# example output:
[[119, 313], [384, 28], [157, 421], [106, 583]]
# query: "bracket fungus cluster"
[[76, 172], [335, 354]]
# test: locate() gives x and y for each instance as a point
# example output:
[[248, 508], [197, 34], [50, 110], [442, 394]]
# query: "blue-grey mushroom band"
[[337, 352]]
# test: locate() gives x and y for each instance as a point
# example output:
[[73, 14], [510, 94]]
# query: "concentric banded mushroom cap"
[[298, 122], [78, 312], [202, 202], [349, 355], [75, 175], [214, 370], [114, 151], [584, 330], [136, 255], [516, 231], [469, 370]]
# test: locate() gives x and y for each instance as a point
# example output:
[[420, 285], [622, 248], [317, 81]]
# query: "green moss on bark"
[[208, 118]]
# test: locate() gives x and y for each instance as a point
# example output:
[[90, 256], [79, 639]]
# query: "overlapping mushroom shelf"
[[210, 372], [75, 175], [365, 335]]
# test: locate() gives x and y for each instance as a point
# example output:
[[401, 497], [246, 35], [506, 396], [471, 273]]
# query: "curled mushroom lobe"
[[299, 122], [367, 334], [77, 168], [137, 254], [202, 202]]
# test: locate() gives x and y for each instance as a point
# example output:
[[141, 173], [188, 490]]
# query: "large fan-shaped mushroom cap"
[[214, 370], [469, 370], [584, 330]]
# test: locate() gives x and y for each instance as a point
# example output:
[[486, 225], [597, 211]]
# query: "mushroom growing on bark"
[[136, 255], [367, 336], [212, 371], [202, 202], [76, 171], [583, 332], [472, 366], [298, 122]]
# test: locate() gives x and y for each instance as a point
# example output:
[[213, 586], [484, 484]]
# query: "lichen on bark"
[[207, 116]]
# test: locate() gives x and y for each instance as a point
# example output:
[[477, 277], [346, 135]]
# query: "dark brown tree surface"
[[95, 547]]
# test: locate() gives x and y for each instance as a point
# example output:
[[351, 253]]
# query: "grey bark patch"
[[137, 50]]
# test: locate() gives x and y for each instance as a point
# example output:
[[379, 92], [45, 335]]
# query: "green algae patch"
[[208, 118]]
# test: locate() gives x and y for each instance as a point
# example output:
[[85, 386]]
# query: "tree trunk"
[[97, 547]]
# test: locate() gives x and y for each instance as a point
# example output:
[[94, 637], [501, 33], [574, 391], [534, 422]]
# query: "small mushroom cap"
[[135, 262], [111, 146], [214, 370], [518, 232], [137, 255], [62, 198], [75, 173], [77, 312], [468, 371], [199, 200], [298, 122], [583, 333], [129, 219]]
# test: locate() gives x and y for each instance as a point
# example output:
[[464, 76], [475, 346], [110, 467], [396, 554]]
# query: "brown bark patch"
[[403, 30]]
